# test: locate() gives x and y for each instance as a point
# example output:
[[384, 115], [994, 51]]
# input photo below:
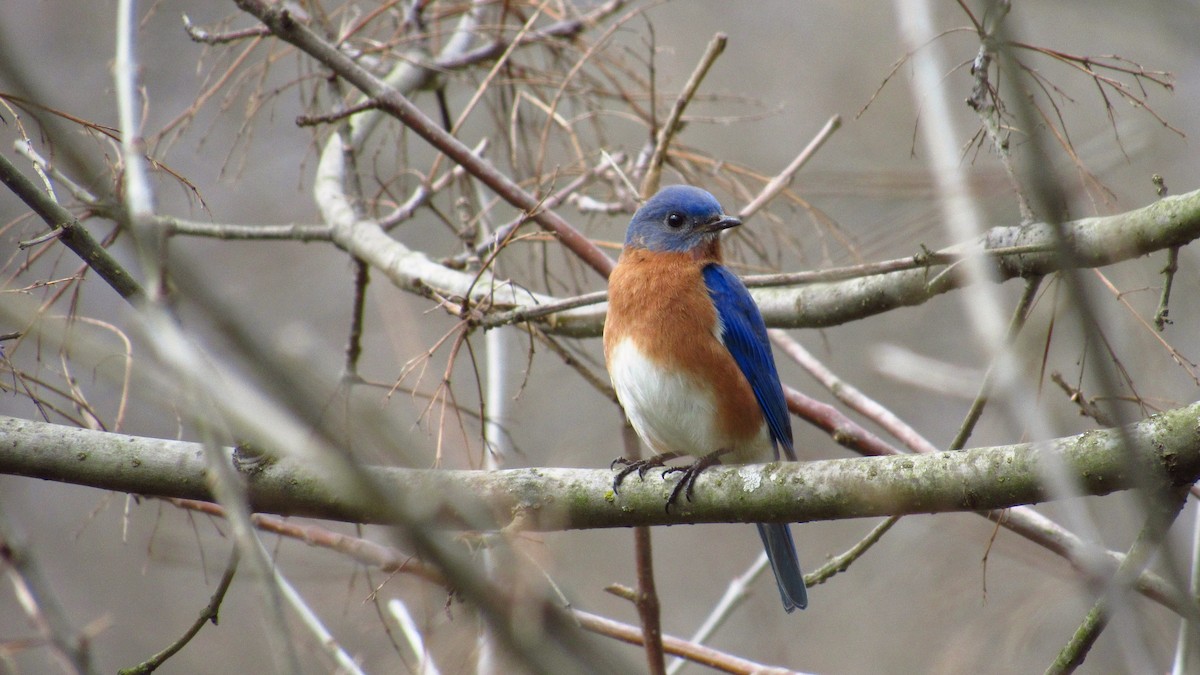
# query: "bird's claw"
[[641, 466], [687, 482]]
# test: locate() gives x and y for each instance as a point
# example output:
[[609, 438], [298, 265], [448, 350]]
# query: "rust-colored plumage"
[[659, 301], [687, 352]]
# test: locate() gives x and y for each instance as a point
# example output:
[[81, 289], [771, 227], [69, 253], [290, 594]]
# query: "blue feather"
[[745, 336], [781, 553]]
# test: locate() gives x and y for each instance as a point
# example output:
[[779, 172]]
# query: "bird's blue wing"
[[745, 336]]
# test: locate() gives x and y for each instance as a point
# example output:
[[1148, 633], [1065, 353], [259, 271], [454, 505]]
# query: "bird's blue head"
[[680, 218]]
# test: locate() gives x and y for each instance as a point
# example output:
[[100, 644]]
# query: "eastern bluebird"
[[688, 355]]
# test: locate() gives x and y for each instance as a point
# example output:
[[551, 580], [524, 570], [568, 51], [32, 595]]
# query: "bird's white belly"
[[671, 411]]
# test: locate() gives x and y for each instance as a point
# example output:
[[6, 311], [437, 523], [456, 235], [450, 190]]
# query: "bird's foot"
[[687, 482], [641, 466]]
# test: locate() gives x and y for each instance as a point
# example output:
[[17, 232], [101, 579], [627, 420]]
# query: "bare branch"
[[784, 178], [74, 235], [1092, 242], [209, 613], [1164, 299], [1148, 542], [1165, 445], [672, 124], [1020, 251], [41, 603], [285, 26], [678, 647], [201, 35]]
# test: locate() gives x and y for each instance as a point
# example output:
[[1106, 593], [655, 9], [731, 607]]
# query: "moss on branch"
[[1164, 448]]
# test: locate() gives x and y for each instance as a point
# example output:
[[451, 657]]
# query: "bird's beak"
[[721, 223]]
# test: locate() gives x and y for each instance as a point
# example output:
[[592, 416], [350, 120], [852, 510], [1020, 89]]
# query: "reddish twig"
[[646, 597], [707, 656], [285, 26]]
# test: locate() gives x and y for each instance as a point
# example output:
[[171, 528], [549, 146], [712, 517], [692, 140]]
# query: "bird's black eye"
[[675, 220]]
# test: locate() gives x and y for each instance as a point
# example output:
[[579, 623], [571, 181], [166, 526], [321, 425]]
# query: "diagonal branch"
[[674, 121], [211, 612], [40, 602], [284, 25], [73, 234], [1148, 542]]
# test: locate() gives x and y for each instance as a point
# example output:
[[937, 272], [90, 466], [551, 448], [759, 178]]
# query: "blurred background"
[[137, 572]]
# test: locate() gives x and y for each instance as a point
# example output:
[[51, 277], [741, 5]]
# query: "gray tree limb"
[[1165, 446], [1094, 242]]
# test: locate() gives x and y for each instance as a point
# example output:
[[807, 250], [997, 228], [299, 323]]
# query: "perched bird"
[[687, 352]]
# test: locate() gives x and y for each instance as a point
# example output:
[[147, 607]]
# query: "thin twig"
[[1168, 272], [673, 122], [735, 594], [335, 116], [1158, 521], [1087, 407], [412, 636], [1182, 361], [43, 167], [209, 613], [1020, 314], [984, 100], [598, 382], [290, 232], [199, 34], [137, 197], [362, 277], [324, 639], [850, 395], [840, 563], [529, 313], [389, 560], [37, 598], [784, 178], [40, 239], [646, 596], [707, 656], [284, 25], [948, 256], [425, 192]]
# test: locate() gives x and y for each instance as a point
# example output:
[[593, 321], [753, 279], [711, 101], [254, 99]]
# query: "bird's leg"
[[641, 466], [687, 482]]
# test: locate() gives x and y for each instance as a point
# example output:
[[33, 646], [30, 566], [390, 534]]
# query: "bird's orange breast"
[[659, 302]]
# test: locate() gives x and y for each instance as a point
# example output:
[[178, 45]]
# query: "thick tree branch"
[[1094, 242], [1165, 446]]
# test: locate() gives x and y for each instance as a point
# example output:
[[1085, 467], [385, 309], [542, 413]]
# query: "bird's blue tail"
[[781, 551]]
